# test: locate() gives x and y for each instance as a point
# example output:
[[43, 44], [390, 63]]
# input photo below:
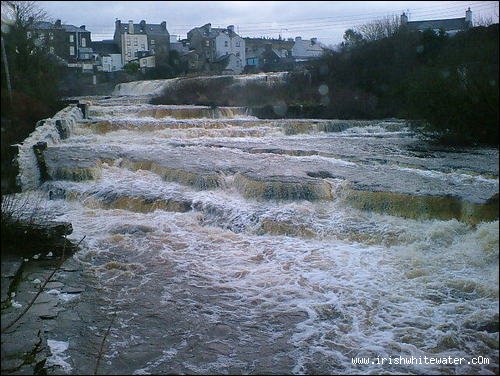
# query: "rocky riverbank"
[[31, 251]]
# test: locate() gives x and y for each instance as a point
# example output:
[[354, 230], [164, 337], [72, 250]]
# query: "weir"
[[226, 243]]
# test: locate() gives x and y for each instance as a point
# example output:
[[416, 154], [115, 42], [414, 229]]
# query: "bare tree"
[[379, 29], [28, 12], [483, 20]]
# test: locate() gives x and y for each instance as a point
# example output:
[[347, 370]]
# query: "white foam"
[[58, 358]]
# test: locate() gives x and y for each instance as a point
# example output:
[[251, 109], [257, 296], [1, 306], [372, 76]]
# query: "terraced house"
[[219, 49], [68, 42], [142, 42]]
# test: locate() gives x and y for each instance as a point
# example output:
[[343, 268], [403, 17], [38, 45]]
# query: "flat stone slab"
[[202, 167]]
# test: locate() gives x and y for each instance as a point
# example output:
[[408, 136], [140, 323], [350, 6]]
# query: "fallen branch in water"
[[101, 349], [41, 288]]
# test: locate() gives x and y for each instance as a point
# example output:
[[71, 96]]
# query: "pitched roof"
[[214, 31], [445, 24], [44, 25], [149, 29]]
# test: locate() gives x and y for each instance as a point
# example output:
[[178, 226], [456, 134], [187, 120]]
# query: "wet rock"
[[11, 268], [131, 229]]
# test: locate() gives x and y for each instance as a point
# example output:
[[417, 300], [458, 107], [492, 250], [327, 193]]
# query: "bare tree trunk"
[[7, 74]]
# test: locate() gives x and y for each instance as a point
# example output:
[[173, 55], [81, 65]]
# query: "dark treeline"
[[33, 77], [448, 85]]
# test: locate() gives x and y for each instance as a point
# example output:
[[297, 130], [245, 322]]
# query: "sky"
[[325, 20]]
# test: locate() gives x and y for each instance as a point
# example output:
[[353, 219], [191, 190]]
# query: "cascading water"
[[229, 244]]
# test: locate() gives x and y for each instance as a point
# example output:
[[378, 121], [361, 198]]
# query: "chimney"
[[163, 25], [468, 16], [142, 25], [298, 39], [58, 23], [208, 27], [314, 41], [230, 28], [131, 27], [404, 19], [82, 27]]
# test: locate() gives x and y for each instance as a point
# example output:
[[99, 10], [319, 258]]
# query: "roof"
[[223, 58], [44, 25], [149, 29], [105, 47], [445, 24], [214, 32], [277, 43], [73, 29]]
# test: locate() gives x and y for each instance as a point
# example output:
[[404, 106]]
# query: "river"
[[219, 243]]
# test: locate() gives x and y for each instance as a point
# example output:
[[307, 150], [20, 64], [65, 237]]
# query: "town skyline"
[[326, 21]]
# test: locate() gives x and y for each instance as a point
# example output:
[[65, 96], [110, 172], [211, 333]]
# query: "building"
[[179, 45], [70, 43], [450, 26], [107, 56], [134, 40], [255, 47], [213, 44], [306, 49]]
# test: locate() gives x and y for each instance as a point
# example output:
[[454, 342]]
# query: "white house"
[[112, 62], [107, 56], [306, 49], [213, 44]]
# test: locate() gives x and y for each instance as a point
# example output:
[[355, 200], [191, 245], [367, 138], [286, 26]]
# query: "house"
[[179, 45], [107, 56], [146, 59], [142, 37], [255, 47], [450, 26], [268, 59], [212, 44], [192, 58], [70, 43], [306, 49]]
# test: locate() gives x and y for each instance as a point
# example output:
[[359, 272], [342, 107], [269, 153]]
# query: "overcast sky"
[[326, 20]]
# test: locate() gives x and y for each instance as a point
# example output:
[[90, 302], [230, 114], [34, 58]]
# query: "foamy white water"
[[229, 245]]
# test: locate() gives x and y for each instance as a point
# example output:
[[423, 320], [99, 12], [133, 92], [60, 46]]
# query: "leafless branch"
[[101, 349], [41, 288]]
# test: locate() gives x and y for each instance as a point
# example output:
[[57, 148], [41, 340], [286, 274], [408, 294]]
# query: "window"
[[226, 44], [51, 36], [152, 41], [71, 50], [128, 54], [84, 42], [71, 38], [207, 43], [28, 34], [51, 50], [143, 47], [237, 54], [237, 43], [135, 42]]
